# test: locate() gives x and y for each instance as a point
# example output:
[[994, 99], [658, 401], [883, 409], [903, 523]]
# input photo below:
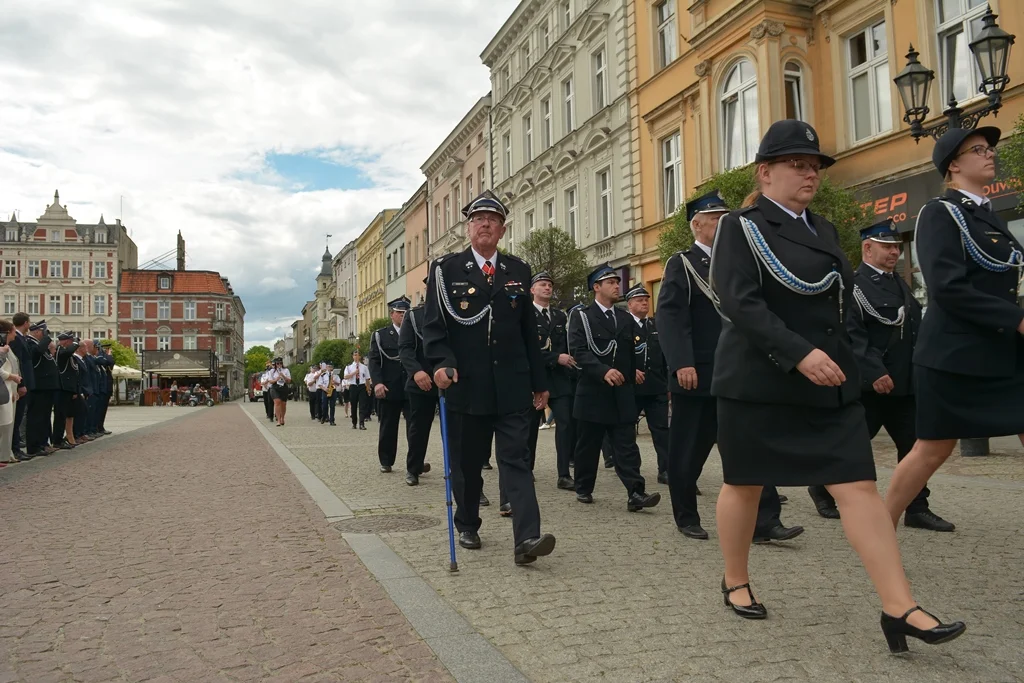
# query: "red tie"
[[489, 272]]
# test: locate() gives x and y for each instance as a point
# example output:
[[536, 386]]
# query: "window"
[[545, 125], [447, 212], [530, 223], [506, 162], [76, 269], [437, 220], [793, 76], [604, 202], [220, 345], [163, 342], [525, 57], [10, 268], [959, 24], [163, 310], [401, 257], [389, 267], [138, 343], [600, 80], [99, 270], [549, 213], [190, 310], [138, 310], [456, 203], [55, 236], [55, 269], [165, 282], [740, 129], [101, 237], [545, 34], [219, 311], [33, 268], [189, 342], [566, 15], [482, 177], [527, 138], [76, 305], [12, 234], [99, 304], [9, 304], [569, 108], [55, 307], [869, 82], [665, 14], [469, 188], [570, 212], [99, 334], [32, 304], [671, 185], [504, 79]]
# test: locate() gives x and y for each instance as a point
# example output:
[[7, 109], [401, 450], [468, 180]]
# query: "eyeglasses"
[[485, 218], [980, 150], [802, 166]]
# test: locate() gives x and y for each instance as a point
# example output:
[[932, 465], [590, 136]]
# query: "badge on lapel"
[[472, 290], [464, 304]]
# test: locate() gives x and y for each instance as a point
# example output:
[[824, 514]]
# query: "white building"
[[394, 255], [346, 285], [65, 272], [561, 153]]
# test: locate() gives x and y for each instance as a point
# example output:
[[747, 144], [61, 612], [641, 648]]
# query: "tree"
[[123, 356], [337, 352], [365, 335], [256, 359], [840, 206], [1011, 160], [552, 250]]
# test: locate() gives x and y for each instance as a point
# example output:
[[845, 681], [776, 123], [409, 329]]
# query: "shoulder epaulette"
[[441, 259], [745, 209], [513, 257]]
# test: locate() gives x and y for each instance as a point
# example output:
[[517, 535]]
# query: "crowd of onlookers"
[[54, 393]]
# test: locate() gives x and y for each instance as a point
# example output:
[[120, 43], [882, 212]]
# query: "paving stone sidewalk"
[[626, 598], [187, 553]]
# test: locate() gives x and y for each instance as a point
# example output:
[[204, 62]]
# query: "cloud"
[[186, 110]]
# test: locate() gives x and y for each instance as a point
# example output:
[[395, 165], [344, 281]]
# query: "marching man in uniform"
[[329, 385], [480, 326], [388, 377], [652, 393], [884, 329], [268, 400], [421, 392]]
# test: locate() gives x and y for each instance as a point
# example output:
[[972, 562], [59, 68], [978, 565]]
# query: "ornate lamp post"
[[991, 50]]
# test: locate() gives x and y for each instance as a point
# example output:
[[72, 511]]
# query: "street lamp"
[[991, 50]]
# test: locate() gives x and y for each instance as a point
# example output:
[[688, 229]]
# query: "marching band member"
[[281, 377], [358, 376], [969, 374], [329, 385], [420, 391], [268, 400], [388, 377], [310, 380]]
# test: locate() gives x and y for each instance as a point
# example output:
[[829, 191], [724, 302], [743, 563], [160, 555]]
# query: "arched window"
[[794, 79], [740, 129]]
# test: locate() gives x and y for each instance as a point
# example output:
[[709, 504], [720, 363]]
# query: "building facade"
[[326, 326], [561, 152], [394, 256], [417, 241], [65, 272], [711, 76], [346, 279], [370, 303]]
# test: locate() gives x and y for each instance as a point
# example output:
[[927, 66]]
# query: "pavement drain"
[[382, 524]]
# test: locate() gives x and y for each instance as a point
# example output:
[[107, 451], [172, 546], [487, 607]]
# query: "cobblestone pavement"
[[626, 598], [187, 552]]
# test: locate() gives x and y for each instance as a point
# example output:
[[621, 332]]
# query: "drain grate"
[[382, 524]]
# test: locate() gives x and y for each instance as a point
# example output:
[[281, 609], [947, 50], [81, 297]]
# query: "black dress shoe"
[[609, 464], [505, 510], [24, 457], [825, 505], [663, 478], [896, 631], [783, 499], [104, 431], [425, 468], [927, 520], [411, 479], [694, 531], [639, 501], [469, 540], [529, 550], [777, 533], [483, 500], [363, 427], [385, 469], [66, 445], [566, 484], [585, 498], [698, 491], [353, 426], [488, 466], [754, 610]]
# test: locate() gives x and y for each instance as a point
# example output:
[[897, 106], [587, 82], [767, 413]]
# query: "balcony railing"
[[339, 305], [225, 326]]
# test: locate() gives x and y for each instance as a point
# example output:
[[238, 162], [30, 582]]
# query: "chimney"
[[181, 251]]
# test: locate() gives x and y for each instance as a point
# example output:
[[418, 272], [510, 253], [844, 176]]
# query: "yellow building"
[[370, 302], [709, 76]]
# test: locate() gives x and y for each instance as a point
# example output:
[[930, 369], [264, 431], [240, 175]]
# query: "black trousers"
[[20, 414], [565, 433], [655, 408], [360, 401], [102, 413], [418, 422], [268, 403], [469, 447], [40, 427], [897, 415], [390, 413], [622, 438], [327, 405]]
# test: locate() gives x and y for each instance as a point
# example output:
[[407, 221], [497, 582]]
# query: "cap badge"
[[810, 135]]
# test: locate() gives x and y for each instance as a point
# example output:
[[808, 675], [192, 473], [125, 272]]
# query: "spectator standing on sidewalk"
[[174, 393], [10, 375], [22, 347]]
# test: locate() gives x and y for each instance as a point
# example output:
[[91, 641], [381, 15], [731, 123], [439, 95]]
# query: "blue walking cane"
[[454, 565]]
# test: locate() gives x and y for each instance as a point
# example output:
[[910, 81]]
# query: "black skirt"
[[279, 393], [955, 406], [765, 444]]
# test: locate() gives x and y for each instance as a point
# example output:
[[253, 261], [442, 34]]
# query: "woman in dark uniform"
[[786, 379], [969, 361]]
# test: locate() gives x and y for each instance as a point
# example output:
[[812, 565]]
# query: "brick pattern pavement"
[[626, 598], [189, 553]]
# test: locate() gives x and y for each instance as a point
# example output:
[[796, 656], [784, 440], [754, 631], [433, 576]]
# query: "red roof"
[[182, 282]]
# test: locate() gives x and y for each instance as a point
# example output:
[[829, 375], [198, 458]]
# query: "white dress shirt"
[[977, 199], [703, 247], [480, 260]]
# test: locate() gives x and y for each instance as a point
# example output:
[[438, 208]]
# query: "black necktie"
[[610, 315], [547, 317]]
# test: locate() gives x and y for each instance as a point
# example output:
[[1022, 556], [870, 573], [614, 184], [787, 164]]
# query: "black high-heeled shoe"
[[754, 610], [896, 630]]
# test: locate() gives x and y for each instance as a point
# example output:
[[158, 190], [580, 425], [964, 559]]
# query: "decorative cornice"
[[769, 27]]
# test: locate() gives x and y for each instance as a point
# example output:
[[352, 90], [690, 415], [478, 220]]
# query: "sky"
[[255, 127]]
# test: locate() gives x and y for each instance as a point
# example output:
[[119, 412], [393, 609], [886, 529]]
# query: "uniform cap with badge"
[[637, 290], [486, 202], [542, 276], [41, 325], [399, 304], [947, 147], [601, 273], [789, 137], [712, 202], [884, 232]]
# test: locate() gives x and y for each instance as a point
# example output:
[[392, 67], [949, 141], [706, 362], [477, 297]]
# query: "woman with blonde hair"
[[786, 380], [10, 375]]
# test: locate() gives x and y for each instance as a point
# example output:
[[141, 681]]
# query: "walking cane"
[[453, 564]]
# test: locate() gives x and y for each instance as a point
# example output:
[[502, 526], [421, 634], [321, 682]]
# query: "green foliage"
[[123, 356], [338, 352], [256, 359], [839, 205], [552, 250], [364, 337], [298, 372], [1011, 159]]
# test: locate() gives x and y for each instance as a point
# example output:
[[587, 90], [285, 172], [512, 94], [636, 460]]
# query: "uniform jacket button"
[[830, 331], [495, 362], [1000, 330]]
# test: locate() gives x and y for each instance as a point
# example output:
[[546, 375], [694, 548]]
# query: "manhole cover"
[[381, 524]]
